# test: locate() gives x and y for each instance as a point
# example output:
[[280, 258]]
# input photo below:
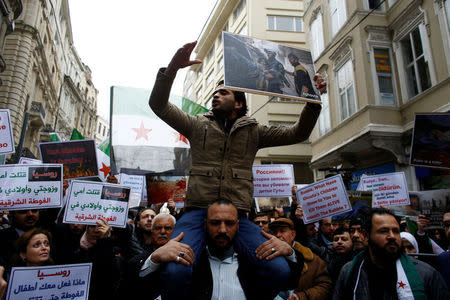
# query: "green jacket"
[[222, 163]]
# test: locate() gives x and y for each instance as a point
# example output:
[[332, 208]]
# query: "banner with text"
[[387, 189], [324, 198], [136, 184], [6, 134], [273, 180], [89, 201], [50, 282], [30, 186], [79, 157], [29, 161]]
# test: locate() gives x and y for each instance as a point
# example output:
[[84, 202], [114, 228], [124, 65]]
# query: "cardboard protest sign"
[[89, 201], [50, 282], [79, 157], [162, 188], [136, 184], [269, 204], [267, 68], [387, 189], [430, 144], [30, 186], [324, 198], [273, 180], [29, 161], [6, 134]]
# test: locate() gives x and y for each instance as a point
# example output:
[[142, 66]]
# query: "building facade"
[[383, 63], [273, 20], [102, 131], [45, 86]]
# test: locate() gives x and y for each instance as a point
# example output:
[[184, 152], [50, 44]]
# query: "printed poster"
[[387, 189], [136, 184], [273, 180], [78, 157], [50, 282], [162, 188], [30, 186], [324, 198], [89, 201], [6, 134]]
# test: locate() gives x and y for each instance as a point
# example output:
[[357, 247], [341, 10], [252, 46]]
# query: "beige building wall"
[[40, 63], [378, 130], [250, 17]]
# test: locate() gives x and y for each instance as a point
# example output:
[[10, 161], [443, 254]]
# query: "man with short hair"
[[303, 84], [321, 243], [262, 220], [384, 271], [342, 252], [141, 238], [358, 233], [314, 283], [223, 145], [443, 259]]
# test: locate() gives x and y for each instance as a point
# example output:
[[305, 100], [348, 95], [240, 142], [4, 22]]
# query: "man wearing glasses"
[[262, 220]]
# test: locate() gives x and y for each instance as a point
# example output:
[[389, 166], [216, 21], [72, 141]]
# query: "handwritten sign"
[[78, 157], [50, 282], [29, 161], [323, 199], [30, 186], [273, 180], [6, 134], [387, 189], [89, 201], [136, 184]]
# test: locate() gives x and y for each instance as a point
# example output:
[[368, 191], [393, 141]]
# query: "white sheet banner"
[[50, 282], [30, 186], [6, 134], [273, 180], [89, 201], [387, 189], [324, 198]]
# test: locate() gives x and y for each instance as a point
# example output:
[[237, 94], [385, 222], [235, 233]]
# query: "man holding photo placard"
[[223, 145]]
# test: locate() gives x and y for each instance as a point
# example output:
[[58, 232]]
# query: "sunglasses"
[[262, 222]]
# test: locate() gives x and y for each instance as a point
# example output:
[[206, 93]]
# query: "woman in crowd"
[[33, 249]]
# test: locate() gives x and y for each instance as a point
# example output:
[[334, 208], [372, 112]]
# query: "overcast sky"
[[125, 42]]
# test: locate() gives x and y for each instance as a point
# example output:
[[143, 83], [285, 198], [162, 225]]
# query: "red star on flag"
[[141, 132], [401, 284], [105, 169], [181, 138]]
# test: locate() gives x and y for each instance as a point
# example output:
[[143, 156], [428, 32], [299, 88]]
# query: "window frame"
[[281, 16], [320, 42], [342, 4], [325, 115], [338, 93]]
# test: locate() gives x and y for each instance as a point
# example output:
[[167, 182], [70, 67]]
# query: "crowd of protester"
[[340, 260]]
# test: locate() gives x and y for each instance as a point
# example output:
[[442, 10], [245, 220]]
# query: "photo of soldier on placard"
[[263, 67]]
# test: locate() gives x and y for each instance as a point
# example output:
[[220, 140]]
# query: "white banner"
[[387, 189], [89, 201], [6, 134], [50, 282], [273, 180], [324, 198], [30, 186]]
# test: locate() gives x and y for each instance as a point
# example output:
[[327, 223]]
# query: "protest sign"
[[136, 184], [30, 186], [324, 198], [6, 134], [273, 180], [431, 141], [267, 68], [50, 282], [29, 161], [89, 201], [162, 188], [269, 204], [387, 189], [79, 157]]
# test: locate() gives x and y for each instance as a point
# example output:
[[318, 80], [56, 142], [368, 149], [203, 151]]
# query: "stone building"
[[45, 86], [383, 63], [102, 131]]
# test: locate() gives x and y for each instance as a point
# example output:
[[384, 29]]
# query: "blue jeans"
[[175, 277]]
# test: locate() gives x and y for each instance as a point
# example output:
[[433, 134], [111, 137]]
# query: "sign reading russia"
[[273, 180], [387, 189], [30, 186], [325, 198], [6, 135]]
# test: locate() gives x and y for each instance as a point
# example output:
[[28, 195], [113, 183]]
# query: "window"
[[210, 55], [415, 63], [376, 3], [210, 77], [208, 103], [383, 70], [220, 63], [243, 30], [239, 9], [104, 129], [324, 117], [285, 23], [338, 15], [346, 88], [316, 37], [99, 128]]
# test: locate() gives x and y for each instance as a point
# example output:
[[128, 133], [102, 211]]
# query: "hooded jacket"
[[222, 162]]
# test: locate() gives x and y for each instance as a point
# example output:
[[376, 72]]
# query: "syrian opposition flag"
[[103, 159], [140, 140]]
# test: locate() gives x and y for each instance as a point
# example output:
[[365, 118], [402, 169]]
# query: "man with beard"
[[384, 271], [303, 84], [321, 243], [141, 238], [342, 252], [444, 258]]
